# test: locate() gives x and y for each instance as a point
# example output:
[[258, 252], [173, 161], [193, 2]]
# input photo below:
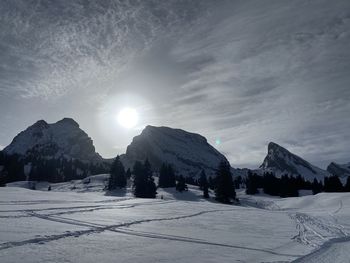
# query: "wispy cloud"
[[60, 48], [267, 81], [247, 72]]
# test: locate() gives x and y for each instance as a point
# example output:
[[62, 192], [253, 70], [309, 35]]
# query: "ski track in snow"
[[334, 250], [317, 229], [314, 231], [94, 227], [77, 209], [39, 202], [120, 228], [340, 207], [325, 235]]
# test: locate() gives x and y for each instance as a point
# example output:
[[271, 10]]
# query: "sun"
[[128, 118]]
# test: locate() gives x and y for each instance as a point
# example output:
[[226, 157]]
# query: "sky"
[[242, 73]]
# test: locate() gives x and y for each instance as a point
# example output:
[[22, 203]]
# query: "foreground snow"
[[88, 226]]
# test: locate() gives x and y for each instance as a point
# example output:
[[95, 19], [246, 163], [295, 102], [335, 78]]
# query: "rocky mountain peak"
[[61, 139], [281, 161], [188, 152], [40, 124], [341, 170]]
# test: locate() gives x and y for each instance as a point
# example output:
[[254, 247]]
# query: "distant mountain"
[[63, 139], [188, 152], [50, 152], [280, 161], [341, 170]]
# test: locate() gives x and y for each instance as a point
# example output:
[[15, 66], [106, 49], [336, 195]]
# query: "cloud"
[[266, 81], [54, 49], [246, 72]]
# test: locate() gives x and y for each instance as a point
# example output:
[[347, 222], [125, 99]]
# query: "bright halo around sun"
[[128, 118]]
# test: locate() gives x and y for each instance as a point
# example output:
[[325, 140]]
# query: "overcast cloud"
[[244, 72]]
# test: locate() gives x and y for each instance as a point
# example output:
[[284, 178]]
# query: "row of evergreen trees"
[[12, 168], [143, 184], [53, 170], [333, 184], [289, 186], [143, 181]]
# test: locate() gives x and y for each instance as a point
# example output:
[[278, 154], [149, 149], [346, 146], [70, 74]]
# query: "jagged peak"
[[273, 145], [281, 161], [68, 121], [333, 163], [54, 139], [40, 123]]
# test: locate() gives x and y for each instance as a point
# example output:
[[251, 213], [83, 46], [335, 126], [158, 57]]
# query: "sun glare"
[[128, 117]]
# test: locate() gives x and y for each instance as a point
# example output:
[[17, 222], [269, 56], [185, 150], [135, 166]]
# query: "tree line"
[[289, 186], [53, 170], [143, 184]]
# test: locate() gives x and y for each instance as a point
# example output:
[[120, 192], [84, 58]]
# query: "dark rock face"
[[188, 152], [61, 139], [341, 170], [280, 161]]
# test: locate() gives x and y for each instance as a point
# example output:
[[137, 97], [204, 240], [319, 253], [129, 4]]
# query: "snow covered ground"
[[78, 222]]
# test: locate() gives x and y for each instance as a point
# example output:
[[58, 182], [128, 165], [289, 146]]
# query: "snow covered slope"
[[280, 161], [188, 152], [61, 139], [341, 170], [65, 226]]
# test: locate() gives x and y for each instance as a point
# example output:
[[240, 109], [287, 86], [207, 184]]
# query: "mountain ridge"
[[188, 152], [63, 138], [281, 161], [341, 170]]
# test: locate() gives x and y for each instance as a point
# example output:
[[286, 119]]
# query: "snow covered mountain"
[[280, 161], [61, 139], [341, 170], [188, 152]]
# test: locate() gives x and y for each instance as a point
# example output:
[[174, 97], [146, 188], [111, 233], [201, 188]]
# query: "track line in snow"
[[120, 228], [81, 209], [201, 242], [315, 231], [340, 207], [95, 229], [44, 201], [325, 251]]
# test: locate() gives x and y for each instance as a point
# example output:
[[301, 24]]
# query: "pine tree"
[[333, 184], [15, 168], [203, 184], [171, 176], [347, 185], [117, 175], [271, 184], [166, 176], [224, 191], [143, 183], [251, 184], [316, 187], [289, 186], [151, 188], [139, 182], [181, 184]]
